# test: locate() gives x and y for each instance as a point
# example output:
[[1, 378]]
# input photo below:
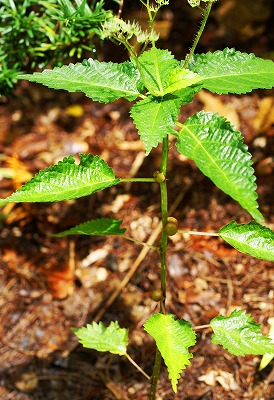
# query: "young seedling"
[[160, 85]]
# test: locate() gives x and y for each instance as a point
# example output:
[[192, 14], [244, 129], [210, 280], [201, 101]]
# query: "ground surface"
[[49, 284]]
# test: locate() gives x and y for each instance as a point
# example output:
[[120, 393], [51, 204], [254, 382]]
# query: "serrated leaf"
[[186, 95], [180, 78], [173, 338], [155, 66], [218, 150], [240, 334], [101, 338], [101, 81], [96, 227], [253, 239], [230, 71], [155, 118], [66, 180]]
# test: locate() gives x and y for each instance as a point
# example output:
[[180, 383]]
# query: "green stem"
[[151, 24], [199, 34], [164, 212], [155, 375]]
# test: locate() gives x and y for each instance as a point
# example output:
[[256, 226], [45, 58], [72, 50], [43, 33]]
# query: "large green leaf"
[[181, 78], [240, 335], [96, 227], [218, 150], [104, 82], [155, 66], [173, 338], [101, 338], [253, 239], [66, 180], [230, 71], [155, 118]]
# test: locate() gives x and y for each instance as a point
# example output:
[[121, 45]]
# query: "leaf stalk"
[[137, 366], [141, 243], [125, 180]]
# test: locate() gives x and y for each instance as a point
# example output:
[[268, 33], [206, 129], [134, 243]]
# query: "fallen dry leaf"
[[215, 104], [265, 115], [225, 379]]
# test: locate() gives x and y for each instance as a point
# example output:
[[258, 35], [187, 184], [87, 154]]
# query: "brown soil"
[[49, 285]]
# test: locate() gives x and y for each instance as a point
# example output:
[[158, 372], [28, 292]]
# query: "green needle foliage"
[[160, 85], [34, 34]]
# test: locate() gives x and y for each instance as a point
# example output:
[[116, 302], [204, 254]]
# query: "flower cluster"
[[196, 3], [162, 2], [123, 31]]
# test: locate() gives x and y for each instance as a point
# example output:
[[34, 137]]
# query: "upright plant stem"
[[164, 199], [199, 34], [164, 212], [155, 374]]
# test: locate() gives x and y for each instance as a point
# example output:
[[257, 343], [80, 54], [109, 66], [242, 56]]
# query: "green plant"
[[162, 85], [35, 34]]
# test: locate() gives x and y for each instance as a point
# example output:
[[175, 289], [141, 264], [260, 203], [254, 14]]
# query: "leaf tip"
[[3, 202]]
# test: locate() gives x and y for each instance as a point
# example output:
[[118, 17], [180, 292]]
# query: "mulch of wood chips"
[[49, 285]]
